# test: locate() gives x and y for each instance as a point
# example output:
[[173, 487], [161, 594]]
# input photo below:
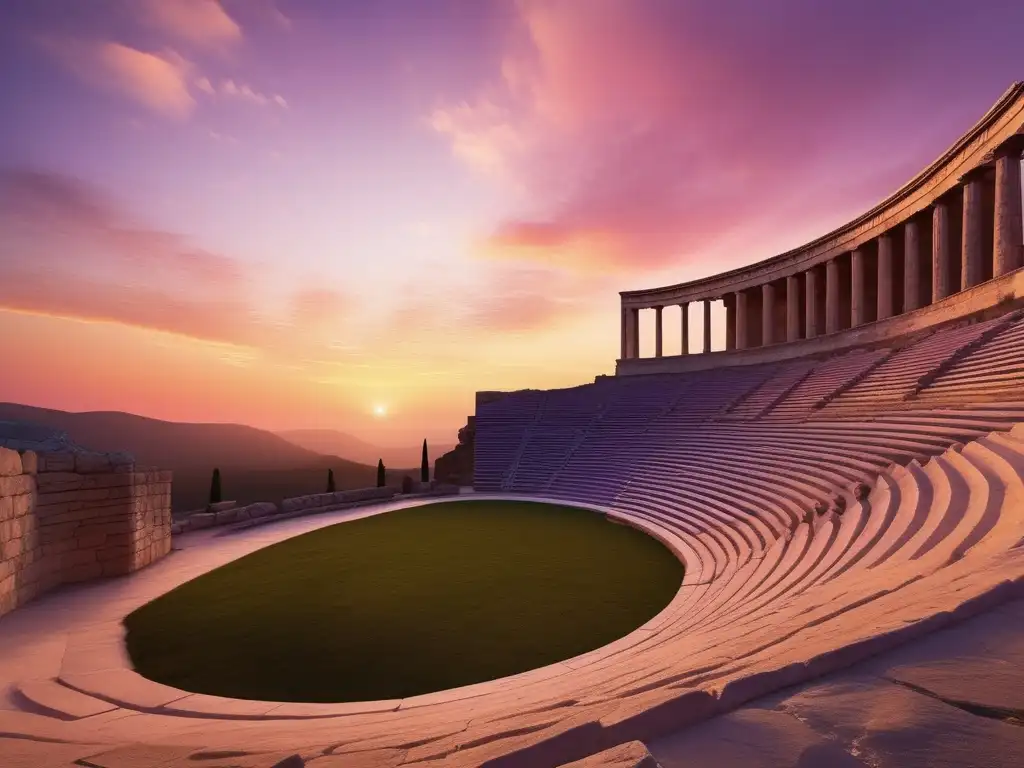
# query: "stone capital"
[[1014, 146], [976, 174]]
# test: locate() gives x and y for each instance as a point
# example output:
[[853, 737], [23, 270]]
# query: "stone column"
[[685, 327], [767, 314], [634, 332], [657, 332], [857, 296], [707, 325], [911, 266], [972, 256], [940, 251], [729, 302], [622, 333], [811, 328], [742, 321], [628, 321], [884, 277], [1009, 232], [832, 296], [793, 308]]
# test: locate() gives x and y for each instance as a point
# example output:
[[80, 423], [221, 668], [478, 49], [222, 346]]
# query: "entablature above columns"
[[1001, 127]]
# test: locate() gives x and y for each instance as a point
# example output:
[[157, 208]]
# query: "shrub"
[[406, 484], [380, 473], [820, 508], [215, 494], [330, 481], [840, 505], [863, 491]]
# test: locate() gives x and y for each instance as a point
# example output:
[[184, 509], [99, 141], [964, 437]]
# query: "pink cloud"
[[524, 298], [642, 133], [243, 92], [66, 251], [157, 81], [203, 22]]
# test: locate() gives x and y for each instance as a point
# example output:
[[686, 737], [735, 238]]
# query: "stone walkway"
[[951, 700]]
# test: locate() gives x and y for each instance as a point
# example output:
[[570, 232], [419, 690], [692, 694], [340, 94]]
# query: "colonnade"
[[970, 234]]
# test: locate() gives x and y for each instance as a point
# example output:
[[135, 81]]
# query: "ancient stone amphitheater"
[[844, 483]]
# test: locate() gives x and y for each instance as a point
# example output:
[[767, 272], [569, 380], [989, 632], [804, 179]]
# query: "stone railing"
[[67, 517], [229, 513]]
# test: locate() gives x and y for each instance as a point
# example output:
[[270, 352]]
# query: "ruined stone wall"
[[71, 517], [456, 466]]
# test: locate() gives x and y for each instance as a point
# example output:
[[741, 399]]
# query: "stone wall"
[[71, 517]]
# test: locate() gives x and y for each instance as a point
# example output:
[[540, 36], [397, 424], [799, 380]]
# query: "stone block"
[[88, 495], [177, 528], [104, 526], [632, 754], [51, 534], [77, 557], [10, 463], [22, 505], [55, 461], [29, 463], [14, 528], [90, 463], [54, 482], [90, 540], [122, 552], [261, 509], [225, 516], [220, 506], [202, 520], [119, 539], [10, 549], [59, 547], [647, 716], [6, 508], [15, 485]]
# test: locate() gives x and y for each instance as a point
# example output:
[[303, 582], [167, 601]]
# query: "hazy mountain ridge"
[[334, 443], [169, 444]]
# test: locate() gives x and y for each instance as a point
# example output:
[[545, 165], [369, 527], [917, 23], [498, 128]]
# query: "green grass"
[[404, 603]]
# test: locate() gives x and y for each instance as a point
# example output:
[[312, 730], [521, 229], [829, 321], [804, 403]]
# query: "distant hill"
[[334, 443], [167, 444], [256, 465]]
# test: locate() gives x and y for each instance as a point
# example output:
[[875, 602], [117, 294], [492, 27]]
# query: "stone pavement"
[[951, 700]]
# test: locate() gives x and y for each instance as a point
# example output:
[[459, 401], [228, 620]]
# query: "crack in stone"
[[1003, 714], [852, 748]]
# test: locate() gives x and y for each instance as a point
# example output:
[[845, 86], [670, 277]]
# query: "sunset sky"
[[289, 213]]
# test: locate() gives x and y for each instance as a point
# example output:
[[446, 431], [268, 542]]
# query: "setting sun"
[[380, 410]]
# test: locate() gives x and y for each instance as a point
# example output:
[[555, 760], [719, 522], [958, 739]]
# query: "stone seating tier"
[[771, 598]]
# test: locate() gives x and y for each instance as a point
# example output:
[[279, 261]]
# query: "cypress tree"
[[330, 481], [215, 496], [380, 473], [424, 465]]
